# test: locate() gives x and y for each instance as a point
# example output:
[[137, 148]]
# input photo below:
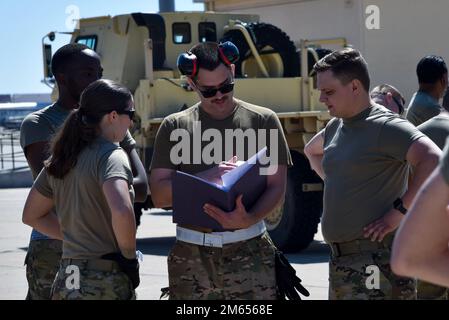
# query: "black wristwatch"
[[399, 205]]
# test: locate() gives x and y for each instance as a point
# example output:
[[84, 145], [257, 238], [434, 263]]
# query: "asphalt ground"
[[156, 235]]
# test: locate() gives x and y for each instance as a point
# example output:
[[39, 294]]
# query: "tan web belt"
[[359, 246]]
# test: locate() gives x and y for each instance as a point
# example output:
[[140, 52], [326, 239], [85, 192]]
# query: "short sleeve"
[[115, 165], [42, 184], [284, 156], [33, 130], [444, 162], [330, 129], [128, 142], [396, 136], [163, 147]]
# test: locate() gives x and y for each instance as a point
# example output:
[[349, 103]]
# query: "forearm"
[[421, 244], [140, 179], [314, 151], [161, 193], [124, 226], [48, 225], [38, 213], [140, 188], [434, 269], [270, 200], [431, 257], [419, 174]]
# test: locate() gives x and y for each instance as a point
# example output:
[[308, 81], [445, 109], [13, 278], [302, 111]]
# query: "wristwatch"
[[399, 205]]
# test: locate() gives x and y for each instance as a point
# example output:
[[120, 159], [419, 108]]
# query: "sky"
[[25, 22]]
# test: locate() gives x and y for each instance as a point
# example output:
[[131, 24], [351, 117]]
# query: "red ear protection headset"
[[188, 64]]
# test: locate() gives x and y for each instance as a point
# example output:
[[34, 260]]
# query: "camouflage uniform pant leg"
[[42, 263], [429, 291], [93, 285], [241, 270], [193, 272], [249, 270], [349, 278]]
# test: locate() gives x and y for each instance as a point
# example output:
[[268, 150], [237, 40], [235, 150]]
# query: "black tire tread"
[[321, 52], [264, 34], [307, 208]]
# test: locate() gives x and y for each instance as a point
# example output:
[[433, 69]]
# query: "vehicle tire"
[[274, 46], [294, 225], [311, 59]]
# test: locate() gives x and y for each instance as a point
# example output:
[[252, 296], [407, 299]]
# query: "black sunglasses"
[[225, 88], [129, 113]]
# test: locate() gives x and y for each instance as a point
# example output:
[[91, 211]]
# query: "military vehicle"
[[140, 51]]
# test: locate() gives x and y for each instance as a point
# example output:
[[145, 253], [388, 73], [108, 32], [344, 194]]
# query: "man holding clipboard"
[[239, 262]]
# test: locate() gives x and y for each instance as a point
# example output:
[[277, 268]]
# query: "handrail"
[[237, 25], [11, 154]]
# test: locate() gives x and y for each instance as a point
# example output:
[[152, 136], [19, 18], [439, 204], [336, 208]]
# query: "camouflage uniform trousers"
[[429, 291], [349, 278], [240, 270], [104, 282], [42, 263]]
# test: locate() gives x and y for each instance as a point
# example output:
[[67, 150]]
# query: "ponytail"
[[76, 134]]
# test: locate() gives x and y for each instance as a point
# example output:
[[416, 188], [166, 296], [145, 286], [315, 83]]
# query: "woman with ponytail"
[[88, 180]]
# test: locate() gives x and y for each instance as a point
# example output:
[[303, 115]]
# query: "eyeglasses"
[[399, 104], [395, 99], [225, 88]]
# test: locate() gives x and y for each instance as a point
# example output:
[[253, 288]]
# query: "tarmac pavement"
[[156, 235]]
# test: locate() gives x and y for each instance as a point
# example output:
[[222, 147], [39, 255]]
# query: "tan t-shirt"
[[366, 170], [437, 129], [41, 126], [83, 211], [245, 116]]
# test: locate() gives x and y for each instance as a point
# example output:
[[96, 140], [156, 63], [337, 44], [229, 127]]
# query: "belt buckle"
[[213, 240]]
